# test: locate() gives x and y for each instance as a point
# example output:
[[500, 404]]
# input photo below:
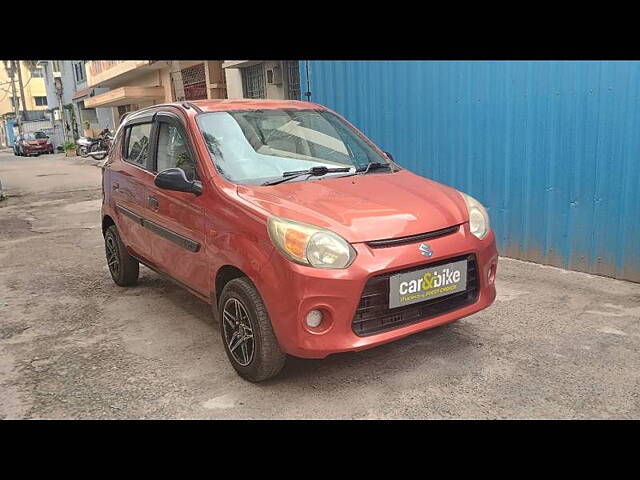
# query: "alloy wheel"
[[113, 258], [238, 333]]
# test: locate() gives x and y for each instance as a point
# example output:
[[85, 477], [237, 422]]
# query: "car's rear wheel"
[[123, 267], [247, 333]]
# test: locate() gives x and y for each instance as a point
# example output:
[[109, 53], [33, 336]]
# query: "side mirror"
[[390, 156], [176, 179]]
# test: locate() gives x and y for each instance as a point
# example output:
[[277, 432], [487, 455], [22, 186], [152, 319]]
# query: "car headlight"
[[309, 245], [478, 216]]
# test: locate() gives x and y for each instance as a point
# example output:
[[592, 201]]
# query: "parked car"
[[304, 236], [32, 144]]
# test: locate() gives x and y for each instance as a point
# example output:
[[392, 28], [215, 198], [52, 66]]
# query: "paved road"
[[556, 344]]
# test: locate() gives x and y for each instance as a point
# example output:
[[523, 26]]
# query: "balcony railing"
[[104, 72], [98, 66]]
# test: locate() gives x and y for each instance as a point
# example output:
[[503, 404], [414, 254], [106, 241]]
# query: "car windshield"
[[254, 146], [34, 136]]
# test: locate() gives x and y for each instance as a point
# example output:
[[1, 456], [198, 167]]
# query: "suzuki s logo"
[[425, 250]]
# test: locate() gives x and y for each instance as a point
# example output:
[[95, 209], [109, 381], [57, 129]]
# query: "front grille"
[[374, 316]]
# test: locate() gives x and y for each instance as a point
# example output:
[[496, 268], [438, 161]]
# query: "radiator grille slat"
[[374, 316]]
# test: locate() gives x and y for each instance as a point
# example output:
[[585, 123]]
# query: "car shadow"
[[447, 341], [439, 343]]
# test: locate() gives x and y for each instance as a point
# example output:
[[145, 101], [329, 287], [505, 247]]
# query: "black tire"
[[102, 156], [123, 267], [83, 152], [267, 359]]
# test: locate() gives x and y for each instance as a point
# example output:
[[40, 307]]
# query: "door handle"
[[115, 186], [153, 201]]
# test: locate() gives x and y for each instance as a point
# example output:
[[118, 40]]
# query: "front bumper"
[[290, 291], [39, 149]]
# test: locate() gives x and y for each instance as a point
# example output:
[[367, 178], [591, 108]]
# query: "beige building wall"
[[234, 82]]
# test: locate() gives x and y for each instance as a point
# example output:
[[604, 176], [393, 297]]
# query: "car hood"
[[363, 208]]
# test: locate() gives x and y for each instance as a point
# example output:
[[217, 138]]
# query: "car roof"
[[251, 104], [225, 105]]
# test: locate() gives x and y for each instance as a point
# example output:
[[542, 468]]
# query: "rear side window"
[[138, 144]]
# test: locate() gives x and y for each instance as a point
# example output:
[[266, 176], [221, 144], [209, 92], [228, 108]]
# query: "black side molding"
[[125, 211], [180, 240]]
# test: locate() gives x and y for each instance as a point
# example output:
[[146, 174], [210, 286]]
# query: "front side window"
[[138, 144], [173, 152], [254, 146]]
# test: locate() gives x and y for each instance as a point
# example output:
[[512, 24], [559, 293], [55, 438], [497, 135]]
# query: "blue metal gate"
[[552, 149]]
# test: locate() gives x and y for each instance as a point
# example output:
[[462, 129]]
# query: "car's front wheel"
[[123, 267], [246, 331]]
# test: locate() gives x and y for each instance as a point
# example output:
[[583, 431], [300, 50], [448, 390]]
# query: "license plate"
[[425, 284]]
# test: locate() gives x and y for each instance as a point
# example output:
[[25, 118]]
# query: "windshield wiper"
[[313, 171], [370, 166], [373, 166]]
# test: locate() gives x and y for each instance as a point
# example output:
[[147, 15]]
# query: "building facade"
[[278, 79], [35, 104], [133, 84], [66, 82]]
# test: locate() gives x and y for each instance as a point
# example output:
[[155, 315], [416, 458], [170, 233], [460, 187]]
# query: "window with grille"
[[37, 73], [194, 82], [40, 101], [253, 81], [292, 68], [79, 71]]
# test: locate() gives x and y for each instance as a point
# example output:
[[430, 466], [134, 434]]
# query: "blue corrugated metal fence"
[[552, 149]]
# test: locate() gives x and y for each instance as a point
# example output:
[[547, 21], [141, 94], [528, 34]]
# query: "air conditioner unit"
[[57, 74], [274, 75]]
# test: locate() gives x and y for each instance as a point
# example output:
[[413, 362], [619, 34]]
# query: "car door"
[[129, 177], [177, 218]]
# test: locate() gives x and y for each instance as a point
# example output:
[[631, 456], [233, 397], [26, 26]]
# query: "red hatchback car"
[[304, 236], [32, 144]]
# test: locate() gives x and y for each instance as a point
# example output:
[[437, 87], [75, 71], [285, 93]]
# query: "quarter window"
[[173, 151], [138, 144]]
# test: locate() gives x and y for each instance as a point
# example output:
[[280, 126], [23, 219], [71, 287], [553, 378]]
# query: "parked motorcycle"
[[98, 147]]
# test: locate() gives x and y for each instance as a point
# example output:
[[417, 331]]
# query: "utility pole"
[[23, 100], [16, 100], [57, 81], [176, 80]]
